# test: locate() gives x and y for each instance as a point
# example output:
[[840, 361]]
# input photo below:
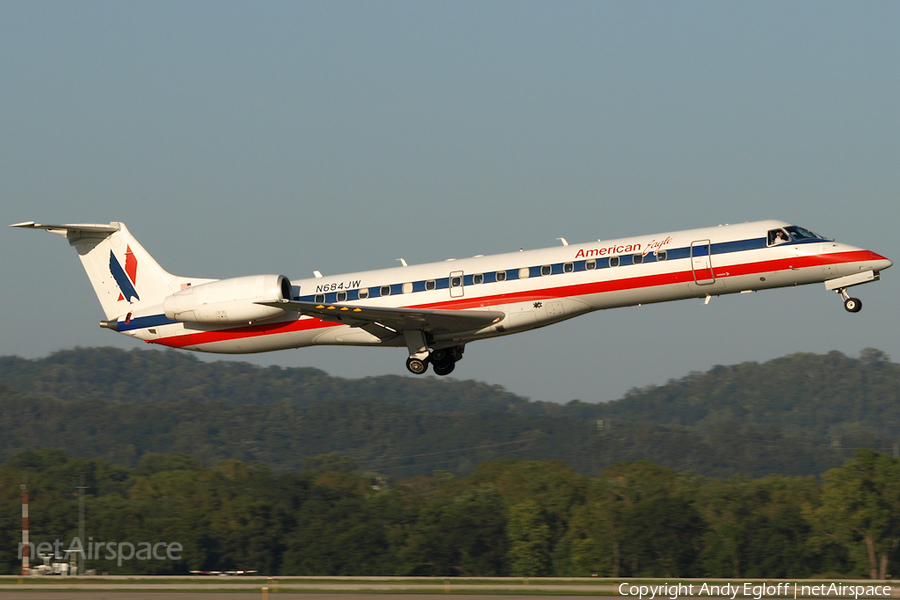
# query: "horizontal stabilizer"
[[124, 275], [64, 229], [398, 319]]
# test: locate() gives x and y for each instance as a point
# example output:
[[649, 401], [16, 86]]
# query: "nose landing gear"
[[853, 305], [841, 284]]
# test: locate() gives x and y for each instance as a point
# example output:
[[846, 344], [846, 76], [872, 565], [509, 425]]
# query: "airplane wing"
[[395, 319]]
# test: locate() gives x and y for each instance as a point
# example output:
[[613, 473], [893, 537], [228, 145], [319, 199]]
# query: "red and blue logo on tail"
[[126, 278]]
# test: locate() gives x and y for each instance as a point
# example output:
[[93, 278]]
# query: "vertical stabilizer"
[[124, 275]]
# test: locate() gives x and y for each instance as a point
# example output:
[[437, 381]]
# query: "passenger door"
[[701, 262]]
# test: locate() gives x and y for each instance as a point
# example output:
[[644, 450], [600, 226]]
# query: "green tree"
[[592, 544], [529, 540], [756, 527], [552, 485], [861, 508], [460, 532], [660, 532]]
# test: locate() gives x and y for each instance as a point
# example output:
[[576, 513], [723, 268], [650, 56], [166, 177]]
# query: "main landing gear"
[[417, 366], [443, 361], [853, 305]]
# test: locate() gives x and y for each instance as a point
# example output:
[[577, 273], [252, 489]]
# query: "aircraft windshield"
[[792, 233], [799, 233]]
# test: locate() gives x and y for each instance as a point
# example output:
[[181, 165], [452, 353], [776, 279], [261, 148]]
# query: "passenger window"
[[638, 259], [590, 265], [320, 298], [430, 284], [568, 267], [524, 273], [407, 288], [342, 296], [385, 290], [545, 270], [363, 293], [501, 275], [478, 278], [614, 261], [455, 281], [660, 255]]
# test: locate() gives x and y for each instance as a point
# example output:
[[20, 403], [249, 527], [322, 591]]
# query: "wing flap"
[[397, 319]]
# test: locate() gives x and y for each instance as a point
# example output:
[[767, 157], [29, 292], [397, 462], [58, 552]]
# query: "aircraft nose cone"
[[882, 262]]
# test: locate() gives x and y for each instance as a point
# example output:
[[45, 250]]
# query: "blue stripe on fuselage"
[[512, 273], [144, 322], [558, 268]]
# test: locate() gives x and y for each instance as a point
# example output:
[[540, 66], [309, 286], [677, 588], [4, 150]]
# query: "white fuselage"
[[539, 287]]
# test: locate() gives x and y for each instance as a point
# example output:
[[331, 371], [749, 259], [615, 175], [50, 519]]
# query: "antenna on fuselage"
[[563, 240], [403, 262]]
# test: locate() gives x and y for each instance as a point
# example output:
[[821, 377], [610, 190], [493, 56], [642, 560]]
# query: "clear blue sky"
[[237, 138]]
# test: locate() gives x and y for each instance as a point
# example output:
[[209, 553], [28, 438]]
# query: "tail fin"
[[124, 275]]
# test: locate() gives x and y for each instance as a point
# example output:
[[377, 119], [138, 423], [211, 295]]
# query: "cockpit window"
[[791, 233], [778, 236], [799, 233]]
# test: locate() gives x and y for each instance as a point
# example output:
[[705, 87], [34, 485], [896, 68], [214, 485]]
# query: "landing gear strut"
[[417, 363], [853, 305]]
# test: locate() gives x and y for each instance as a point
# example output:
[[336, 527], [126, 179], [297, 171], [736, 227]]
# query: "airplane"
[[434, 310]]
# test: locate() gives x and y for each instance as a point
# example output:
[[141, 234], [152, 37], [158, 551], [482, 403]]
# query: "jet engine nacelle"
[[229, 300]]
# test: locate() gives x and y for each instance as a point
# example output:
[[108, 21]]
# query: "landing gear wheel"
[[444, 360], [440, 357], [444, 369], [416, 366], [853, 305]]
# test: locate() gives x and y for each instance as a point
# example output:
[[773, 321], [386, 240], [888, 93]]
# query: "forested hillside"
[[145, 375], [818, 395], [292, 471], [520, 518], [798, 415]]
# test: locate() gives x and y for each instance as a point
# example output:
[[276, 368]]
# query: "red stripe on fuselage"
[[649, 281], [583, 289], [224, 335]]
